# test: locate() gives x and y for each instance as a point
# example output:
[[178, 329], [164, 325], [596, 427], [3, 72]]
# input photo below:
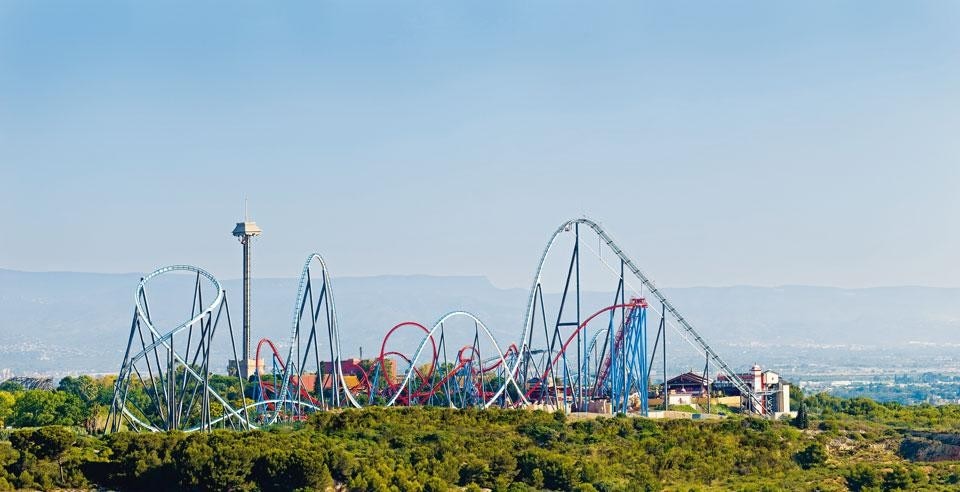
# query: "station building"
[[774, 392]]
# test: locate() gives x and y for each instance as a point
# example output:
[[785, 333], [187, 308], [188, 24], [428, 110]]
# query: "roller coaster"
[[569, 356]]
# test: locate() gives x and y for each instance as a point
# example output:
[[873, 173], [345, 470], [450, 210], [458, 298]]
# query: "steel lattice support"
[[559, 361], [535, 314], [163, 383]]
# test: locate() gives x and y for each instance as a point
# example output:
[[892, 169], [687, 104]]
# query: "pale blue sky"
[[721, 142]]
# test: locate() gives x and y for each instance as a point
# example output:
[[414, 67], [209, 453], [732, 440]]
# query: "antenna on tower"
[[246, 213]]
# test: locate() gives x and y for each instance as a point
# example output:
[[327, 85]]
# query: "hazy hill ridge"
[[78, 321]]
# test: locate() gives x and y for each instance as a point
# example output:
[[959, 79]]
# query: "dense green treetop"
[[836, 444]]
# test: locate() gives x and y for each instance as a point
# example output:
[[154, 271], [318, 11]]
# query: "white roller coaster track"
[[295, 329], [744, 388], [164, 340]]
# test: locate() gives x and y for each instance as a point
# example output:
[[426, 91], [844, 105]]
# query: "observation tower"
[[245, 232]]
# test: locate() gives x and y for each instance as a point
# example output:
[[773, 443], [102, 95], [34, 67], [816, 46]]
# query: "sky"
[[721, 143]]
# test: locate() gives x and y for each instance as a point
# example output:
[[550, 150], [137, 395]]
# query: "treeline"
[[84, 401], [77, 401], [414, 449], [837, 445]]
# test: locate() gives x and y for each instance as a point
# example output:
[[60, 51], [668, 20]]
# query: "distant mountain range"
[[60, 323]]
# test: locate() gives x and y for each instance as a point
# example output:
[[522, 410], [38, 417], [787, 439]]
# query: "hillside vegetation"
[[836, 444]]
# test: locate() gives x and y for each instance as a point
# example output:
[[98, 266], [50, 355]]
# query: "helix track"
[[163, 383]]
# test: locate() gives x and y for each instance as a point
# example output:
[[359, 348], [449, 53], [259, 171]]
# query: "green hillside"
[[852, 444]]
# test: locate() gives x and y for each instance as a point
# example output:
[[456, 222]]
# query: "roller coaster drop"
[[554, 365]]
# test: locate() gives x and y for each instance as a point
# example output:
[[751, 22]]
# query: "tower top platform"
[[248, 228]]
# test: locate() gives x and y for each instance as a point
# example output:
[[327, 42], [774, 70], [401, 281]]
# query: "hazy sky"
[[720, 142]]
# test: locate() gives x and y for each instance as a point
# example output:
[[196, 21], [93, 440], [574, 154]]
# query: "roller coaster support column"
[[641, 358], [628, 365], [663, 328], [753, 402]]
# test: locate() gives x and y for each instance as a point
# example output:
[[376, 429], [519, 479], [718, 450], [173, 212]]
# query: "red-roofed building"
[[356, 371]]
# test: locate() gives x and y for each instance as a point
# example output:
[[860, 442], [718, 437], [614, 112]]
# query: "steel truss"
[[164, 380], [545, 367], [574, 371]]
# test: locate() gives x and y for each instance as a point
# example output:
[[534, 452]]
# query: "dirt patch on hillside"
[[930, 446]]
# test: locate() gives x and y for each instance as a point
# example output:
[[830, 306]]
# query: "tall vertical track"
[[559, 360], [314, 317]]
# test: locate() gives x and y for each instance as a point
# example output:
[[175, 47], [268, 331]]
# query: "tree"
[[83, 387], [8, 455], [897, 479], [544, 468], [813, 455], [7, 401], [89, 392], [193, 460], [285, 469], [863, 476], [796, 396], [11, 386], [802, 420], [52, 443], [35, 408], [46, 443], [536, 478]]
